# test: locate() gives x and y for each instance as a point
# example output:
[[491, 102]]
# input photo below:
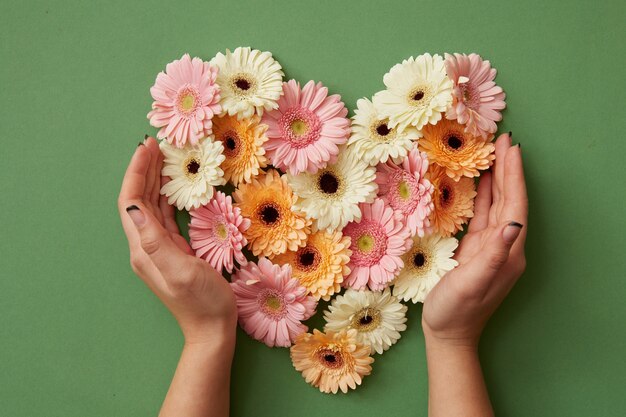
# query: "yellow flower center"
[[299, 127], [365, 243], [188, 102], [404, 191], [221, 231], [273, 303], [192, 167], [366, 320]]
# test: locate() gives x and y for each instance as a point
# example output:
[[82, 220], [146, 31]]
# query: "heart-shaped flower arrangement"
[[324, 202]]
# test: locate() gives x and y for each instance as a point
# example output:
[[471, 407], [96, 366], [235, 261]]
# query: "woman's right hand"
[[196, 294]]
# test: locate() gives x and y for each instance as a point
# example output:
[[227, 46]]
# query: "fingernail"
[[519, 145], [136, 215], [510, 134], [511, 232], [139, 144], [146, 136]]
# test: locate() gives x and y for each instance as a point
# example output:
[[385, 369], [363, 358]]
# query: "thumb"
[[500, 243], [156, 242]]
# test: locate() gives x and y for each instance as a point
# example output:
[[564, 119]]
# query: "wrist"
[[450, 340], [214, 332]]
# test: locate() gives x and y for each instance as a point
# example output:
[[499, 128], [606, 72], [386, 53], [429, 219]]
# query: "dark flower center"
[[454, 142], [383, 129], [445, 194], [366, 320], [193, 167], [328, 183], [306, 258], [242, 84], [418, 95], [269, 214], [419, 260], [230, 143], [330, 358]]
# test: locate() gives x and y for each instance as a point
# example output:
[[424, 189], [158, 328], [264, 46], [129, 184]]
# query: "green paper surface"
[[82, 336]]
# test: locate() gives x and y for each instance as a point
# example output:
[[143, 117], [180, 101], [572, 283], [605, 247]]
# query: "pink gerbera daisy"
[[378, 242], [216, 232], [307, 128], [270, 303], [405, 189], [477, 100], [185, 99]]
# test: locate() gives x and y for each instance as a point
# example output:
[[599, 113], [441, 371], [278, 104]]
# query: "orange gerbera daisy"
[[462, 154], [320, 266], [332, 361], [274, 227], [454, 201], [243, 147]]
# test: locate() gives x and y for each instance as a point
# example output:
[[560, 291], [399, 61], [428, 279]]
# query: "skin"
[[490, 256]]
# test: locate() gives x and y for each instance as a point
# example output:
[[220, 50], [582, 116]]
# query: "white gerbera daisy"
[[418, 92], [378, 317], [249, 80], [194, 171], [331, 196], [372, 138], [428, 260]]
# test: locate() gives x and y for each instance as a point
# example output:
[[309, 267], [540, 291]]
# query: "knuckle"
[[496, 259], [137, 263], [151, 243], [185, 280]]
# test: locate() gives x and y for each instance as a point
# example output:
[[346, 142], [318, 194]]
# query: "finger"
[[132, 189], [156, 188], [168, 211], [151, 175], [502, 144], [155, 240], [482, 204], [515, 205]]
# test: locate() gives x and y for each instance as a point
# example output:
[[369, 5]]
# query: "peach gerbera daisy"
[[306, 130], [454, 201], [461, 154], [243, 147], [477, 100], [185, 99], [333, 361], [271, 305], [274, 228], [321, 265]]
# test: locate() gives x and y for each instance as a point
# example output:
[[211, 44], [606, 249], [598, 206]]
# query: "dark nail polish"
[[519, 144], [131, 208], [146, 137], [516, 224], [139, 144], [510, 134]]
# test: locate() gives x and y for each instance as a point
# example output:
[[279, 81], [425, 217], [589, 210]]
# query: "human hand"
[[491, 256], [197, 295]]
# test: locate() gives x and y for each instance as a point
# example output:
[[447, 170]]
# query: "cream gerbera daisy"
[[333, 361], [378, 317], [418, 92], [331, 196], [320, 265], [374, 141], [429, 259], [274, 226], [249, 80], [243, 147], [194, 171]]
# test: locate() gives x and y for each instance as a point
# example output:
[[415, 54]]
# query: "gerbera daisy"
[[250, 80], [429, 259], [270, 303], [331, 196], [477, 100], [194, 171], [372, 138], [216, 233], [333, 361], [243, 147], [418, 92], [275, 228], [378, 242], [405, 189], [185, 99], [454, 201], [306, 129], [461, 154], [320, 265], [378, 317]]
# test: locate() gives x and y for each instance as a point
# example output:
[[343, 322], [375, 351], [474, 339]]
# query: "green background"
[[82, 336]]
